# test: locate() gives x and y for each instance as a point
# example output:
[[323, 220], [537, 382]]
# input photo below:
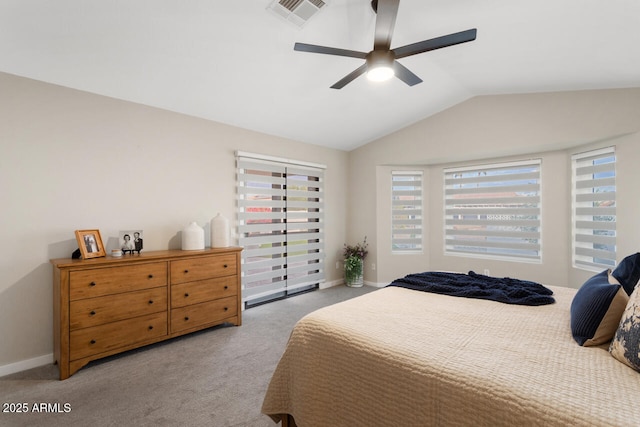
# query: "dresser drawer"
[[203, 290], [111, 308], [98, 339], [189, 270], [193, 316], [105, 281]]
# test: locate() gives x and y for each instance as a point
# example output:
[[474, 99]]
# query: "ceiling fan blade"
[[405, 75], [433, 44], [303, 47], [387, 11], [350, 77]]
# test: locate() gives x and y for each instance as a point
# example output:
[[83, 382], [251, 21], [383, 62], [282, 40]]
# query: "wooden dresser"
[[104, 306]]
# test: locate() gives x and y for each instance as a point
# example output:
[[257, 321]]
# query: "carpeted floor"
[[216, 377]]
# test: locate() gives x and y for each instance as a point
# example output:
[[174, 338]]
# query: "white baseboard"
[[23, 365], [325, 285], [339, 282], [376, 285]]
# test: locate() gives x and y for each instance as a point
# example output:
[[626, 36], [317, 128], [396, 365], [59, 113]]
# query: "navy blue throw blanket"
[[473, 285]]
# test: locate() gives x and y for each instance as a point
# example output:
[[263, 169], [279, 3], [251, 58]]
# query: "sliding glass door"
[[280, 226]]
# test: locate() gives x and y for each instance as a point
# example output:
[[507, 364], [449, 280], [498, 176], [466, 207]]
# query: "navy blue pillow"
[[596, 310], [628, 272]]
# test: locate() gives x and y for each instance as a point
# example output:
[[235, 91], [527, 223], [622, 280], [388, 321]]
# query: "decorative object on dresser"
[[192, 237], [90, 243], [131, 241], [109, 305], [219, 232]]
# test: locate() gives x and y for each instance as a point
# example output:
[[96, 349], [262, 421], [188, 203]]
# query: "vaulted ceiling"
[[233, 61]]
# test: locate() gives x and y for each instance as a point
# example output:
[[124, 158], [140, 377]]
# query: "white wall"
[[71, 160], [550, 126]]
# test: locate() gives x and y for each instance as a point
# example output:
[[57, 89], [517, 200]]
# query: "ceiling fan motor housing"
[[380, 65], [380, 58]]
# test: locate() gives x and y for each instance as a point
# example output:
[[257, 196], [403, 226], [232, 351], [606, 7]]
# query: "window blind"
[[594, 209], [280, 226], [406, 215], [493, 210]]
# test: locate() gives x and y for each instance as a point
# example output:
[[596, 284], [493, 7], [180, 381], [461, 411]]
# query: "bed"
[[401, 357]]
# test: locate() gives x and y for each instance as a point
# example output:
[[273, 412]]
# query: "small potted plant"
[[354, 263]]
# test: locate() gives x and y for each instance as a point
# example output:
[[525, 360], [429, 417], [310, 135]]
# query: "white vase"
[[219, 232], [192, 237]]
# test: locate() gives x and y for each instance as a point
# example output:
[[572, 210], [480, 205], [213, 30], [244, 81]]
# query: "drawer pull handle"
[[225, 266], [93, 341], [92, 284], [150, 301], [150, 327], [226, 308], [93, 313], [186, 318], [151, 276], [186, 294], [226, 287], [186, 271]]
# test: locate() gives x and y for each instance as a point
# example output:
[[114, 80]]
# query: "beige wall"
[[71, 160], [549, 126]]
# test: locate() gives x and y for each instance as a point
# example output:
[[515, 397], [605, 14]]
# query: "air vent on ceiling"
[[297, 12]]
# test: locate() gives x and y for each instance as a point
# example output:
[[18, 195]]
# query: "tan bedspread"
[[397, 357]]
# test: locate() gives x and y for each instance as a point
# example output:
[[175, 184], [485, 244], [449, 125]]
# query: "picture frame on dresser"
[[131, 241], [90, 243]]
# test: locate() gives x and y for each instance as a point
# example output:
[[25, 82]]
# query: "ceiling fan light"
[[380, 65], [380, 73]]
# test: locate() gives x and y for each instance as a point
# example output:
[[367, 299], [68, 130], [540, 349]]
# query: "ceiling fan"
[[381, 63]]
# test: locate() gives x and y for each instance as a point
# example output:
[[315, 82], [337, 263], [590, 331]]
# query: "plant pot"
[[354, 272]]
